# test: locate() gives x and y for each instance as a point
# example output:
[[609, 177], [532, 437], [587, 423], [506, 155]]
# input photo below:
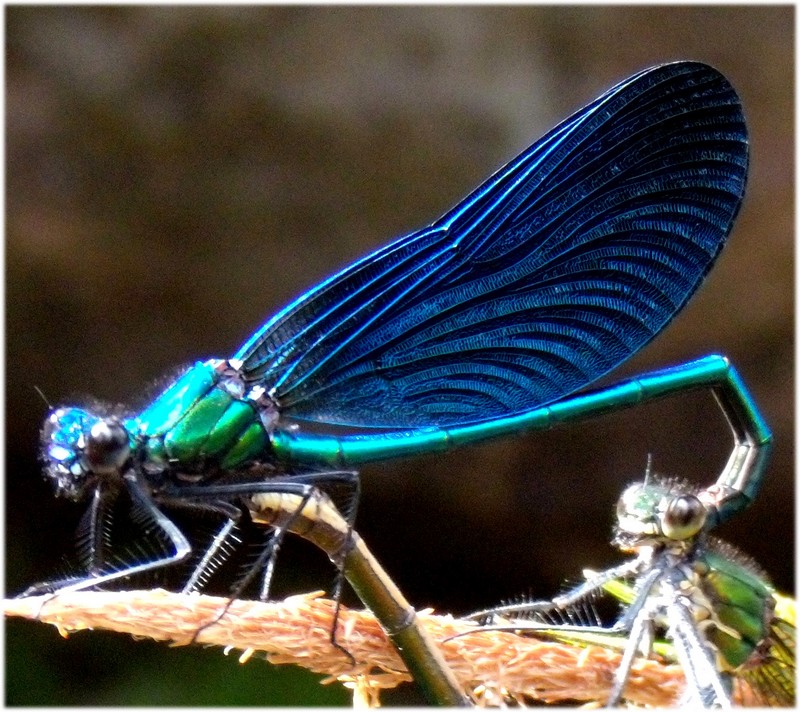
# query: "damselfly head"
[[656, 512], [78, 446]]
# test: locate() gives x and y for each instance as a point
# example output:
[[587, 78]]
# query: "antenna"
[[648, 470], [43, 397]]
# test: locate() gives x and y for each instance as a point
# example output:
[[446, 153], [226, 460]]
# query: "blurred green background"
[[175, 175]]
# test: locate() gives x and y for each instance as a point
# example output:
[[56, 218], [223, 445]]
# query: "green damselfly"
[[733, 635]]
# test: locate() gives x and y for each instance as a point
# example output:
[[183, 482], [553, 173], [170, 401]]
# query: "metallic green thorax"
[[742, 603], [203, 418], [742, 606]]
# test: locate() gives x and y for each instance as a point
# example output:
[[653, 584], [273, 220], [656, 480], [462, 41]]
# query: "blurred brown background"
[[175, 175]]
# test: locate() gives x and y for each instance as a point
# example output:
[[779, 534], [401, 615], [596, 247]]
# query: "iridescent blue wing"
[[562, 265]]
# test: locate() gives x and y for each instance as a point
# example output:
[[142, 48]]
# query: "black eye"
[[107, 446], [683, 517]]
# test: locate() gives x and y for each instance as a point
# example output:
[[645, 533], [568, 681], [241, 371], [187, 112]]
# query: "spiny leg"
[[92, 541], [215, 552], [351, 479], [94, 530], [140, 498], [641, 627], [301, 485], [315, 481], [564, 600]]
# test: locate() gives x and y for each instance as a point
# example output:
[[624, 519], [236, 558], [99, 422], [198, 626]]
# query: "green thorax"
[[204, 418], [741, 602]]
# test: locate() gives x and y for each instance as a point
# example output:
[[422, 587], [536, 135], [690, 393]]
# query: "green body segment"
[[196, 422], [742, 602]]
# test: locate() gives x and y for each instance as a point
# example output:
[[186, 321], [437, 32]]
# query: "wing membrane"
[[563, 264]]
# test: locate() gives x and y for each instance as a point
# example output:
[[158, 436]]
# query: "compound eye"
[[107, 446], [683, 517]]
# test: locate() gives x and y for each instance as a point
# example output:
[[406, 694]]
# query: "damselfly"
[[769, 678], [562, 265], [728, 628]]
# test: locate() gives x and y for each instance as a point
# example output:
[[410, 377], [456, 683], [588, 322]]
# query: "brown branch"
[[494, 666]]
